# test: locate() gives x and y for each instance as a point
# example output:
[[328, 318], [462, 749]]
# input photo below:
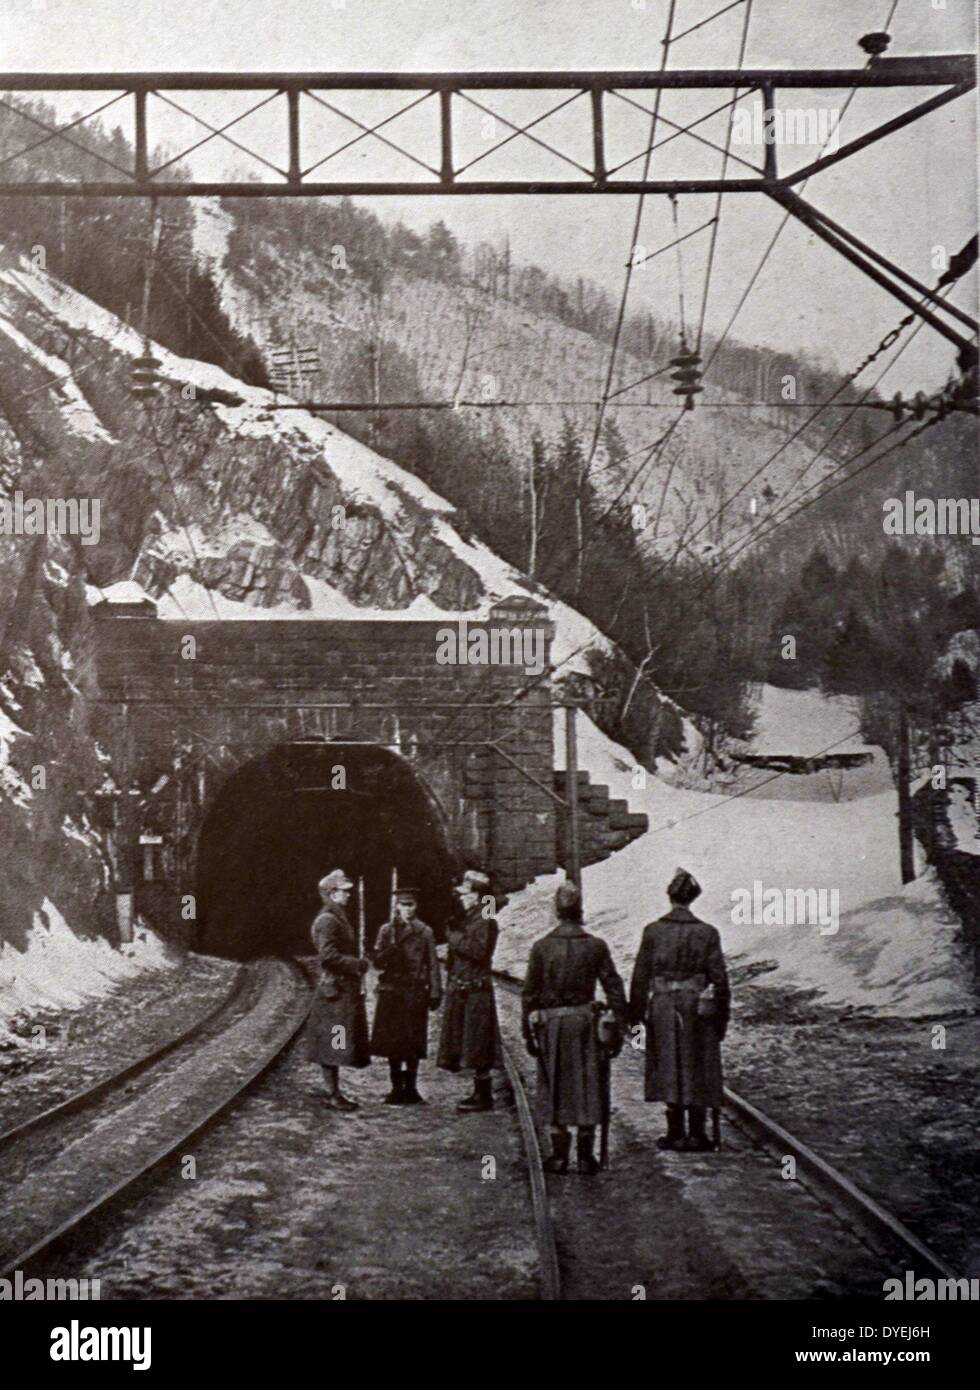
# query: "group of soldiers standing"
[[409, 987], [679, 991]]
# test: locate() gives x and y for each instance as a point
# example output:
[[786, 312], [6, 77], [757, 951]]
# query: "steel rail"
[[823, 1175], [87, 1095], [171, 1145], [832, 1181], [544, 1229]]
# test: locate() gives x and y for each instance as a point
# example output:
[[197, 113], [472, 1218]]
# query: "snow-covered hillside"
[[896, 951], [474, 346]]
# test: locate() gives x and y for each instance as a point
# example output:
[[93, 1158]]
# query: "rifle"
[[605, 1024], [606, 1109]]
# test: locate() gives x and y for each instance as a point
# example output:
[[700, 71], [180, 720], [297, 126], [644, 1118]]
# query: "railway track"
[[109, 1139], [826, 1183], [88, 1095]]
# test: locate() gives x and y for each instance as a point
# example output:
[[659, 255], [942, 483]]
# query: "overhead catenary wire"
[[758, 536], [819, 453], [654, 451], [660, 444], [716, 347], [579, 403], [680, 270], [821, 491], [637, 222]]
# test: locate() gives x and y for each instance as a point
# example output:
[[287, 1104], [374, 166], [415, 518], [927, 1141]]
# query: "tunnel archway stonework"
[[224, 724]]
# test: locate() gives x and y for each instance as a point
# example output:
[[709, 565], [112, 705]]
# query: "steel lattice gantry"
[[440, 173], [955, 74]]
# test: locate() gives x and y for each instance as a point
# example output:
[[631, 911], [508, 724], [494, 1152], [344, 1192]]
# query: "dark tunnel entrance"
[[282, 821]]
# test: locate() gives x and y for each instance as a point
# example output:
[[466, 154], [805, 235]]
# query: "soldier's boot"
[[333, 1099], [585, 1143], [697, 1141], [410, 1094], [482, 1097], [674, 1138], [396, 1095], [561, 1146]]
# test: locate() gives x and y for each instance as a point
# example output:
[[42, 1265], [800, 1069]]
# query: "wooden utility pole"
[[532, 483], [906, 845], [125, 832], [573, 866]]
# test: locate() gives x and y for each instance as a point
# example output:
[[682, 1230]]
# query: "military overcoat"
[[679, 957], [469, 1035], [559, 1021], [410, 984], [336, 1031]]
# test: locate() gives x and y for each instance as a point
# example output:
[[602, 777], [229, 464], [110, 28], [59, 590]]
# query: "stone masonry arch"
[[463, 710]]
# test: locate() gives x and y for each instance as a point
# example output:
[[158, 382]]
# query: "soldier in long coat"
[[680, 991], [337, 1033], [560, 1018], [470, 1034], [410, 985]]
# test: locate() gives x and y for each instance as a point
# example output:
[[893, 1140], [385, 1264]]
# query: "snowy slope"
[[61, 971], [365, 477], [896, 951]]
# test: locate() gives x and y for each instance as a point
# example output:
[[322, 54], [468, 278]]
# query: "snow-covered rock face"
[[269, 509]]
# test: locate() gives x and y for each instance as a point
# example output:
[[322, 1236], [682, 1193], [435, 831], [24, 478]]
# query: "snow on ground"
[[802, 723], [363, 473], [60, 970], [81, 417], [896, 951], [12, 785], [964, 818]]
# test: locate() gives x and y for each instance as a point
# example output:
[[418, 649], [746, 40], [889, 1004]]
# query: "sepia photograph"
[[489, 673]]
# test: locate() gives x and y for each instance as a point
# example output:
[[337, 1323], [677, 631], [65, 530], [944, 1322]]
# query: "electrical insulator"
[[919, 405], [875, 44], [898, 407], [688, 374], [144, 375]]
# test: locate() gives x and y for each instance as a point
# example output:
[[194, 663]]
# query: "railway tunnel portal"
[[249, 757]]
